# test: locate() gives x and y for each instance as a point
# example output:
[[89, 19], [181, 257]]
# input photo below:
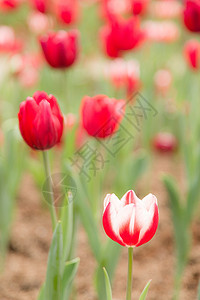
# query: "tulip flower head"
[[40, 121], [192, 54], [191, 15], [60, 48], [101, 115], [139, 7], [121, 35], [165, 142], [67, 11], [40, 5], [130, 222]]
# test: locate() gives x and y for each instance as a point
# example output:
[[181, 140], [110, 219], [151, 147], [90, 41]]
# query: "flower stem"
[[50, 189], [130, 269]]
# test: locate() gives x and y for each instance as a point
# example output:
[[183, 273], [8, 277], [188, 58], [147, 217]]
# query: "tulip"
[[7, 5], [166, 9], [139, 7], [192, 54], [165, 142], [114, 8], [101, 116], [161, 31], [40, 121], [130, 222], [67, 10], [121, 35], [163, 81], [8, 40], [39, 23], [191, 15], [40, 5], [60, 48], [125, 74]]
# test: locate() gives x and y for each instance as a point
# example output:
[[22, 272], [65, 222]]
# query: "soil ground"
[[25, 265]]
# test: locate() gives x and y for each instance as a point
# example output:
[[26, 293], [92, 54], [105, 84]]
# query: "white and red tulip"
[[130, 222]]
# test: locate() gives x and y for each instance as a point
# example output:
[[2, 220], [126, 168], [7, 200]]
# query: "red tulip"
[[191, 15], [40, 121], [7, 5], [67, 10], [130, 222], [139, 7], [40, 5], [121, 35], [192, 54], [60, 48], [101, 115], [165, 142]]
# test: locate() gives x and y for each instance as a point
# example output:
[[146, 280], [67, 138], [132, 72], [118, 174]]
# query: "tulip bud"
[[192, 54], [101, 115], [191, 15], [165, 142], [67, 11], [139, 7], [130, 222], [40, 121], [60, 48]]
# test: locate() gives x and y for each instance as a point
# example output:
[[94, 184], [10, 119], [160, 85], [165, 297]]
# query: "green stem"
[[50, 189], [130, 270]]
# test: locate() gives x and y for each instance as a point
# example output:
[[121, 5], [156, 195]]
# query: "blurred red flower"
[[165, 142], [60, 48], [101, 116], [121, 35], [40, 121], [191, 15], [7, 5], [40, 5], [67, 11], [139, 7], [130, 222], [192, 54]]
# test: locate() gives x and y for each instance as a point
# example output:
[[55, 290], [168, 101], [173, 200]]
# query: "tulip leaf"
[[52, 288], [68, 276], [145, 291], [108, 285], [66, 217], [41, 294], [198, 296]]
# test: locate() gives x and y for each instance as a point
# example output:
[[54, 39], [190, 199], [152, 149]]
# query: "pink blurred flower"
[[161, 31], [70, 121], [130, 222], [111, 8], [8, 40], [39, 23], [165, 142], [192, 54], [166, 9], [67, 11], [125, 74], [163, 81], [113, 36]]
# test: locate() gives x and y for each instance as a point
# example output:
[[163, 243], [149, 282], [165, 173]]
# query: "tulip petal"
[[150, 227], [149, 200], [110, 224]]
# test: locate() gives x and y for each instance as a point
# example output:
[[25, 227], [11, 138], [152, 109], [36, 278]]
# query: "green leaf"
[[174, 197], [66, 216], [41, 294], [109, 260], [54, 266], [108, 285], [145, 291], [70, 270]]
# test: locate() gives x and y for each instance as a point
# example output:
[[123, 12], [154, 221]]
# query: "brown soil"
[[25, 265]]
